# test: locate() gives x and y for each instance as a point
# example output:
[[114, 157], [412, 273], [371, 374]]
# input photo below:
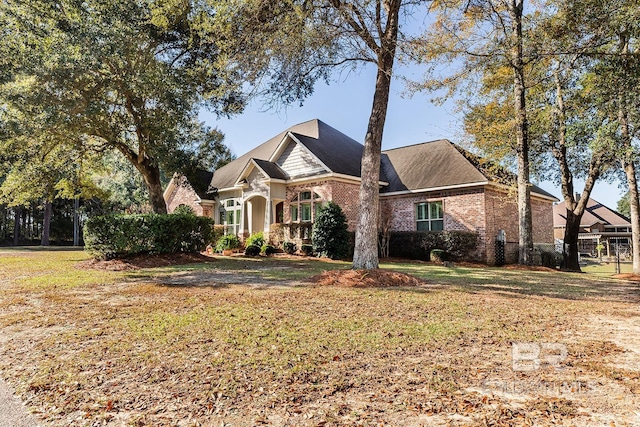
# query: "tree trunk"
[[525, 233], [46, 223], [366, 246], [634, 208], [628, 165], [571, 258], [150, 172], [156, 193], [17, 212]]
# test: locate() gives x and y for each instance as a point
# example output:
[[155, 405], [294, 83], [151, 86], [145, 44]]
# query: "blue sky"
[[345, 104]]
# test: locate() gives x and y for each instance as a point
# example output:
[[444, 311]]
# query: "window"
[[429, 216], [304, 206], [306, 212], [230, 215]]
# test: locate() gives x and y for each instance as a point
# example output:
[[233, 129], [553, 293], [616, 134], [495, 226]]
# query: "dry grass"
[[244, 342]]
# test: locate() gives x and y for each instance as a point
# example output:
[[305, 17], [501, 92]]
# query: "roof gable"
[[594, 213], [428, 165], [297, 161]]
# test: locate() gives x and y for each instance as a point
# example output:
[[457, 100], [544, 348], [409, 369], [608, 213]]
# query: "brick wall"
[[464, 210], [344, 194], [542, 216], [502, 214], [183, 194], [347, 196]]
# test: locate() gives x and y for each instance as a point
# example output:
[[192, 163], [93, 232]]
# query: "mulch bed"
[[366, 279], [145, 261]]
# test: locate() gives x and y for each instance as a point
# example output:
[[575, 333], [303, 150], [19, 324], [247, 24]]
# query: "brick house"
[[431, 186], [600, 225]]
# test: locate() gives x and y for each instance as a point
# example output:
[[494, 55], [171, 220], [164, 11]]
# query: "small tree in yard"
[[330, 236]]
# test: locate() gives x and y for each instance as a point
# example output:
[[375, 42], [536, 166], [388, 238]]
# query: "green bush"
[[289, 248], [330, 236], [438, 255], [256, 239], [459, 245], [307, 250], [268, 249], [183, 210], [115, 236], [227, 242], [252, 250], [218, 232]]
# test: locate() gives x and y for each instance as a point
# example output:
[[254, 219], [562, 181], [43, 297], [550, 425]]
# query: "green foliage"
[[120, 76], [256, 239], [125, 235], [623, 205], [227, 242], [218, 232], [289, 247], [330, 237], [268, 249], [419, 244], [307, 250], [252, 250], [184, 210], [438, 255]]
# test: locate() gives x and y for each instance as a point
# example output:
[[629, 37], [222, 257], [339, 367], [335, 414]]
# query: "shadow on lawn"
[[520, 283], [273, 272]]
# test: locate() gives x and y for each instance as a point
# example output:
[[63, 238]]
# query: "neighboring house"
[[599, 225], [430, 186]]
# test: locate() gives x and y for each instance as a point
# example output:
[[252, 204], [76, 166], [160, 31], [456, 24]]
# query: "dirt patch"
[[366, 279], [145, 261]]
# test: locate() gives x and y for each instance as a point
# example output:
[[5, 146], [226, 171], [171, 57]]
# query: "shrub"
[[307, 250], [419, 244], [289, 247], [256, 239], [330, 236], [252, 250], [218, 232], [268, 249], [183, 210], [438, 255], [227, 242], [114, 236]]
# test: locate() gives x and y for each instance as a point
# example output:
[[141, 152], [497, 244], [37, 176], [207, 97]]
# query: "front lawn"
[[244, 342]]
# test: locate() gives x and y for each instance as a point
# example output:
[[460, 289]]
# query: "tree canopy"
[[129, 76]]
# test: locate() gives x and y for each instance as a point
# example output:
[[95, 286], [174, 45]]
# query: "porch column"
[[249, 216], [268, 207], [241, 221]]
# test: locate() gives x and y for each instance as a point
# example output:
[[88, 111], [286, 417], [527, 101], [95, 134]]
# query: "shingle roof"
[[271, 169], [594, 213], [422, 166], [427, 165], [340, 153], [441, 163], [227, 175]]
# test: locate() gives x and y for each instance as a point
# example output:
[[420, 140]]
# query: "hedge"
[[458, 245], [114, 236]]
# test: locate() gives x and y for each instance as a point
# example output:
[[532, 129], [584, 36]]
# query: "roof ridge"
[[419, 143]]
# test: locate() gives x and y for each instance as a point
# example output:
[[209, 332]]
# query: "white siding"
[[296, 161], [256, 184]]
